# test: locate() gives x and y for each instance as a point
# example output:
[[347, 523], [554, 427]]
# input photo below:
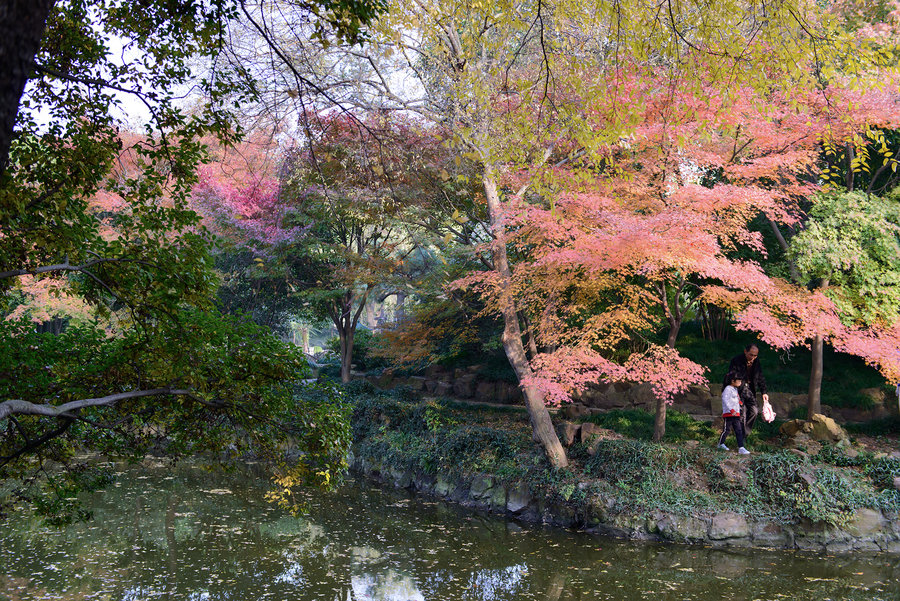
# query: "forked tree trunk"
[[346, 320], [541, 424], [675, 317], [346, 338]]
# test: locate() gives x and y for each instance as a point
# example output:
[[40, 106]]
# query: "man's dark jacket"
[[752, 378]]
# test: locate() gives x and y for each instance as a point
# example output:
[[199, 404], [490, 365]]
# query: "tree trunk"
[[814, 404], [659, 422], [814, 400], [541, 424], [22, 24], [346, 336]]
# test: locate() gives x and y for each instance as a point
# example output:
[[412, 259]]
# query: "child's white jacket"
[[731, 402]]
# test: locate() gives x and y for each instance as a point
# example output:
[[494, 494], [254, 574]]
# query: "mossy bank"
[[840, 500]]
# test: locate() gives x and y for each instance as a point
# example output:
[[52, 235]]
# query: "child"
[[731, 412]]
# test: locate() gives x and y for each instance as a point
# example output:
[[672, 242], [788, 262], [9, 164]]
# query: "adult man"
[[747, 367]]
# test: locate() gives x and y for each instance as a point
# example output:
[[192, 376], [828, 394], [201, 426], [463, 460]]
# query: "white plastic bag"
[[768, 413]]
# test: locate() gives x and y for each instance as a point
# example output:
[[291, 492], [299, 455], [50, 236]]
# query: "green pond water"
[[186, 533]]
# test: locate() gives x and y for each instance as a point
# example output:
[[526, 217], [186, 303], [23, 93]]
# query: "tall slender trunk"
[[541, 424], [814, 402], [814, 399]]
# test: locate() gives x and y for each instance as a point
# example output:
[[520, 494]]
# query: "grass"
[[638, 424]]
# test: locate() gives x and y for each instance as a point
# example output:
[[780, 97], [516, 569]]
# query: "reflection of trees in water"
[[182, 534]]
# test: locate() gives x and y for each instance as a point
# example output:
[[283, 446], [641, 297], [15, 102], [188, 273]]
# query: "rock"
[[819, 428], [567, 432], [826, 429], [727, 525], [574, 411], [589, 431], [481, 486], [897, 483], [430, 385], [771, 534], [435, 372], [866, 522], [464, 386], [518, 499], [733, 472], [486, 392], [799, 453], [498, 498], [682, 528], [443, 389], [443, 487], [876, 394], [642, 395], [508, 393], [416, 382], [792, 427]]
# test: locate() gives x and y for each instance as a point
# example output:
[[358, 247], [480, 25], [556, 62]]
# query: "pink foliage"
[[249, 212]]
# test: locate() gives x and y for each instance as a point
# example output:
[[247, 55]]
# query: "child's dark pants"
[[734, 424]]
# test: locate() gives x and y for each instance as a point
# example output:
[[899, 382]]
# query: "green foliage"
[[853, 241], [638, 424], [877, 427]]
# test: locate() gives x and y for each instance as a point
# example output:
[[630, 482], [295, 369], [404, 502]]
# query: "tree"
[[162, 360], [526, 89], [850, 246]]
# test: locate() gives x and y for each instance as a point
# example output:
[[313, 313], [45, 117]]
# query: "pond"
[[187, 533]]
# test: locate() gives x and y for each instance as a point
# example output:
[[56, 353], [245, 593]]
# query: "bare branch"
[[20, 407]]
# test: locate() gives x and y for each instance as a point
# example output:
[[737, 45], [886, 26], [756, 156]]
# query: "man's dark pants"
[[749, 414]]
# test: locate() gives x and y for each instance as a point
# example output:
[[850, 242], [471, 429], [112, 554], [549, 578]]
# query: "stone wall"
[[701, 402], [869, 531]]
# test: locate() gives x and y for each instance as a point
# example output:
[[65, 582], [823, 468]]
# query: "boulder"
[[574, 411], [567, 432], [464, 386], [682, 528], [826, 429], [866, 522], [481, 486], [642, 395], [877, 395], [430, 386], [486, 392], [416, 382], [733, 471], [728, 524], [589, 431], [443, 389], [508, 393], [897, 483], [819, 428], [518, 499]]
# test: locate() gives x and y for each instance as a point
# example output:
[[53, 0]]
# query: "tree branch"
[[20, 407]]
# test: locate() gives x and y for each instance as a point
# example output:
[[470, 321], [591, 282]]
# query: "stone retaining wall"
[[869, 531], [702, 403]]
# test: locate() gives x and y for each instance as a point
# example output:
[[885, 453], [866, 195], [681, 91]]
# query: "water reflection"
[[192, 534]]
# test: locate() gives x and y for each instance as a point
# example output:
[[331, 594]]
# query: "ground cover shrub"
[[636, 423], [649, 475]]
